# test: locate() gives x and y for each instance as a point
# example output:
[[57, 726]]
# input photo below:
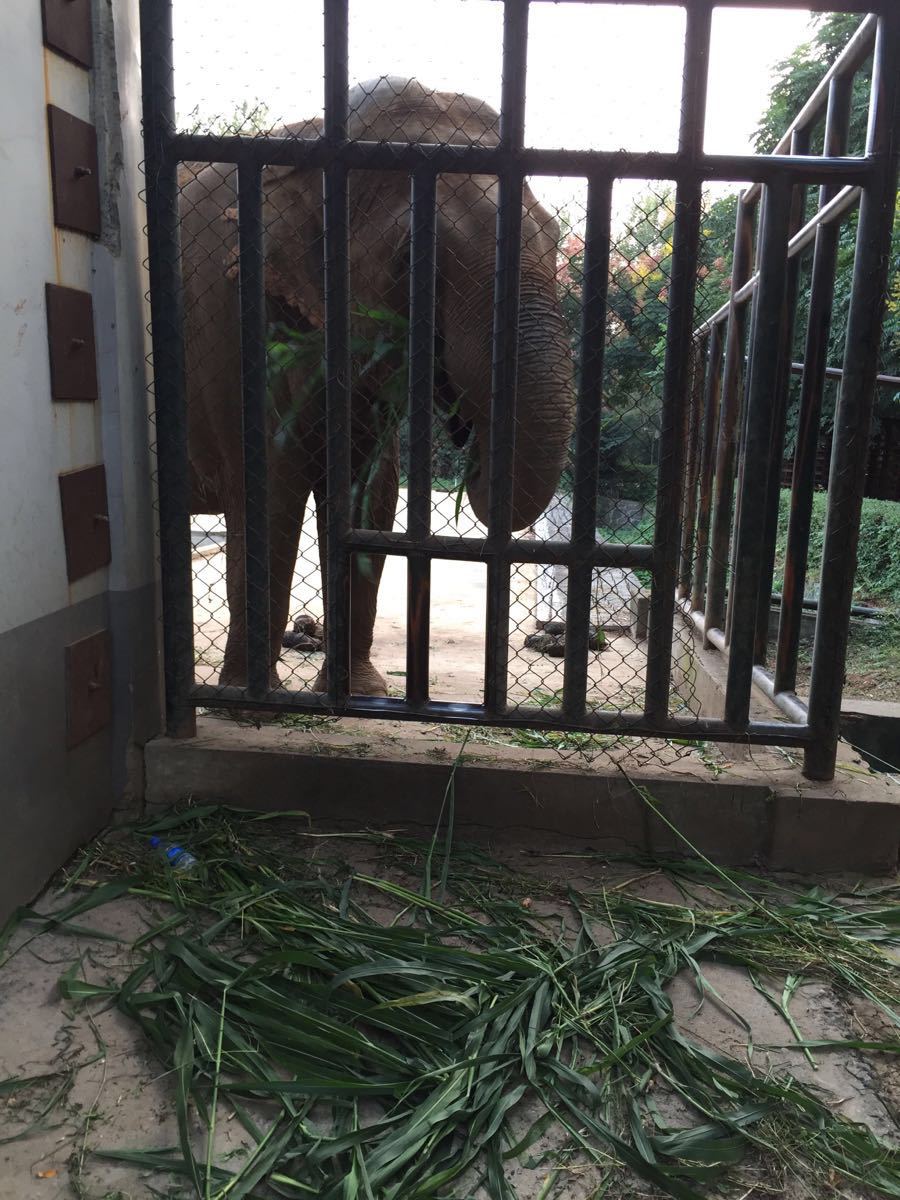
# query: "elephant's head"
[[403, 110]]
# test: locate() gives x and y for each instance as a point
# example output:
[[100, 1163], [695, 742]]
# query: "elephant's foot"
[[364, 680]]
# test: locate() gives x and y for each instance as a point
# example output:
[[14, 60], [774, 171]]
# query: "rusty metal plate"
[[73, 162], [85, 518], [67, 29], [88, 687], [70, 337]]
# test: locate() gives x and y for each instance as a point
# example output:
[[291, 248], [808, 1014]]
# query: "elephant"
[[379, 231]]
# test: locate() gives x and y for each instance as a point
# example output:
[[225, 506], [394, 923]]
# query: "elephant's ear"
[[295, 264]]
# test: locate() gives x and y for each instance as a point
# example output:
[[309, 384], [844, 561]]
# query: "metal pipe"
[[595, 286], [853, 415], [505, 352], [421, 393], [693, 425], [685, 250], [468, 159], [520, 550], [337, 359], [749, 549], [255, 427], [830, 213], [767, 733], [723, 503], [821, 297], [799, 142], [710, 428], [789, 703], [167, 322]]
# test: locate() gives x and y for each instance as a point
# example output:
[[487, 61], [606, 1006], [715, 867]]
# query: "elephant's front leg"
[[380, 505], [286, 508]]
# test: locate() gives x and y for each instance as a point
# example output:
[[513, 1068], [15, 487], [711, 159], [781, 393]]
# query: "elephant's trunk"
[[544, 416]]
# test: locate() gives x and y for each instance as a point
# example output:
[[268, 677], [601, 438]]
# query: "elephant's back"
[[394, 108]]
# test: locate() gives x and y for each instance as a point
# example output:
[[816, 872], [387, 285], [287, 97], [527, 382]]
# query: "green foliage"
[[378, 372], [393, 1032], [248, 117], [878, 557], [797, 76]]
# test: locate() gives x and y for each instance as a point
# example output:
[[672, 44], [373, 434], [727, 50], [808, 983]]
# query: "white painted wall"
[[39, 439]]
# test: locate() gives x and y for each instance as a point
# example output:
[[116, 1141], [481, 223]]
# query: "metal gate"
[[719, 448]]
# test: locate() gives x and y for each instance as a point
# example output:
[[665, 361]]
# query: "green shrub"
[[878, 558]]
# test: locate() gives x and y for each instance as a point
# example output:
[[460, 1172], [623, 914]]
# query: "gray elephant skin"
[[379, 231]]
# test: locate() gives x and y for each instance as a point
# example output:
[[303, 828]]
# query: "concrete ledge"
[[764, 813]]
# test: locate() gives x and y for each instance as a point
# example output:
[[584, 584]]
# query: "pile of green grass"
[[429, 1049]]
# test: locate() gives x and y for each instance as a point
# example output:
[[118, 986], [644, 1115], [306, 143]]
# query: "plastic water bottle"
[[177, 857]]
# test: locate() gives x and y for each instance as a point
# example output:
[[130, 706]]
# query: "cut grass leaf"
[[371, 1060]]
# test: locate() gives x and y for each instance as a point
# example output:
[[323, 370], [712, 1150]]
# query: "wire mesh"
[[391, 493]]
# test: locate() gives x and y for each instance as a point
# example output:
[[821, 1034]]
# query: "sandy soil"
[[458, 599]]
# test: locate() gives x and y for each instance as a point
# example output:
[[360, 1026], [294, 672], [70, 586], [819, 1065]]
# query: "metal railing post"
[[676, 377], [167, 317], [505, 355], [337, 356], [853, 415]]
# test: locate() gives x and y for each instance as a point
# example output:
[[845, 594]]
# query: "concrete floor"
[[126, 1099]]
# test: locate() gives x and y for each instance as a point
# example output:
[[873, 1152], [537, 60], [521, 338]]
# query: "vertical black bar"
[[676, 378], [167, 315], [505, 354], [741, 448], [799, 145], [853, 417], [692, 434], [595, 285], [763, 371], [337, 358], [711, 399], [421, 391], [726, 451], [812, 386], [255, 439]]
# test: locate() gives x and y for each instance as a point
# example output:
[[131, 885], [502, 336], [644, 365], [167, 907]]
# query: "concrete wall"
[[53, 798]]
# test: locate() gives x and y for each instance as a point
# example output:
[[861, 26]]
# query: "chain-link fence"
[[444, 424]]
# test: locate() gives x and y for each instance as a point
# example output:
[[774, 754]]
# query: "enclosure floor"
[[458, 603], [126, 1098]]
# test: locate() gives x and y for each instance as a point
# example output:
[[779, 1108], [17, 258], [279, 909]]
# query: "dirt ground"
[[458, 600], [120, 1096]]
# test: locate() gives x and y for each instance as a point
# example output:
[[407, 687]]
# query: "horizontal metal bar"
[[838, 373], [850, 6], [766, 733], [789, 702], [834, 210], [606, 554], [450, 158]]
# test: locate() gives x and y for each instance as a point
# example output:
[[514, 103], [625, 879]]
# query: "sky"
[[599, 76]]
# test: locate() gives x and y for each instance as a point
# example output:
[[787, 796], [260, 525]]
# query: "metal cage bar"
[[595, 285], [505, 352], [800, 141], [726, 452], [853, 415], [743, 595], [167, 317], [423, 247], [709, 428], [255, 426], [676, 375], [821, 299], [337, 356]]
